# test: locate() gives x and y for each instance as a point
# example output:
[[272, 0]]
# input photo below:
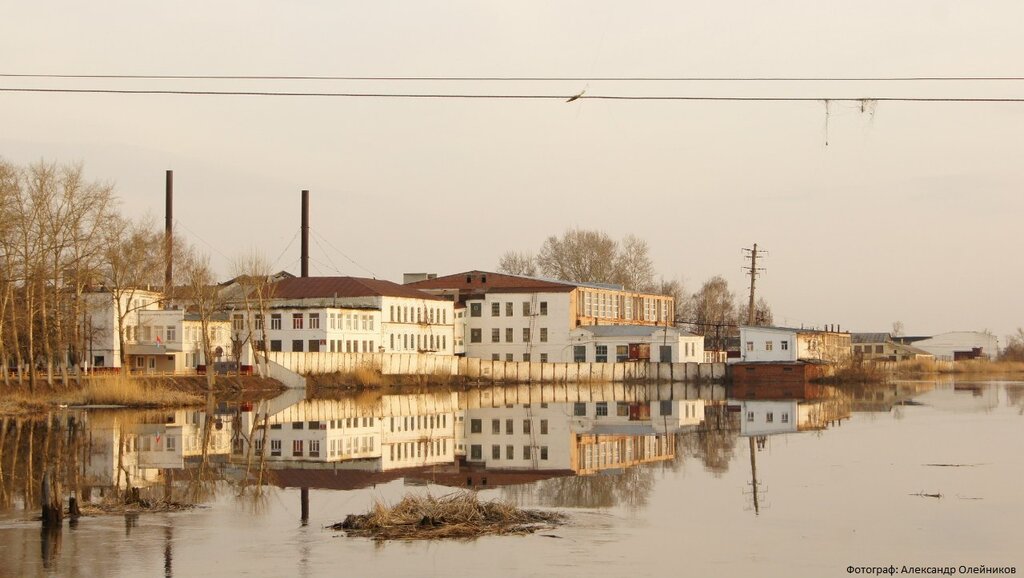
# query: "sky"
[[908, 213]]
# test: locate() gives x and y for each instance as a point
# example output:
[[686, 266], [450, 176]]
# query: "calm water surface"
[[656, 481]]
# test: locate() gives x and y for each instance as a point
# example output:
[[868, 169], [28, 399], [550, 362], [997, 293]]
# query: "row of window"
[[337, 448], [867, 349], [769, 417], [770, 345], [412, 423], [401, 314], [476, 335], [526, 357], [476, 309], [579, 409], [476, 426], [476, 452], [604, 305], [343, 423], [418, 342], [315, 345], [421, 449]]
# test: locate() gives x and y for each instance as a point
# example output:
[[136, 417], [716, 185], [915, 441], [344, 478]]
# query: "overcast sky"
[[911, 212]]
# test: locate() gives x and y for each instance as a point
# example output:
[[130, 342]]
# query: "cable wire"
[[470, 96], [527, 78]]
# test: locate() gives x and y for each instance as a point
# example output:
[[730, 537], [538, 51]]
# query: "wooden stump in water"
[[52, 503]]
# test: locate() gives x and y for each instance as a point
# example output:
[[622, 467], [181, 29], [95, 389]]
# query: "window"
[[878, 348], [314, 425], [543, 334], [543, 307], [750, 346], [259, 321], [526, 334], [475, 452], [171, 442], [495, 426], [297, 448], [495, 309], [544, 427], [172, 333], [543, 452], [526, 308], [602, 408], [314, 323], [314, 345], [314, 448], [297, 425], [543, 357], [508, 309], [579, 409], [784, 418], [275, 447], [474, 310], [275, 320], [275, 426], [475, 426], [508, 357], [508, 334], [526, 357], [526, 452], [296, 345], [767, 345], [622, 409], [769, 417], [496, 452], [750, 416], [527, 426], [621, 353], [495, 357], [785, 345], [579, 353], [508, 426], [666, 407], [236, 322], [601, 352], [296, 321], [509, 452]]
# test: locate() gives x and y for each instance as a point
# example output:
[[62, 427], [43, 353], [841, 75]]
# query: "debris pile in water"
[[458, 515]]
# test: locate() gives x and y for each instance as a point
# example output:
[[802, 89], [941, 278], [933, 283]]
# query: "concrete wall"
[[499, 371]]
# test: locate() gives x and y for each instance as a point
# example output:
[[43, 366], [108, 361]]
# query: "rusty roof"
[[329, 287], [483, 281]]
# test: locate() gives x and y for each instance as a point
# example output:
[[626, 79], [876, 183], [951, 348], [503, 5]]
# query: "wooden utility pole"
[[753, 270]]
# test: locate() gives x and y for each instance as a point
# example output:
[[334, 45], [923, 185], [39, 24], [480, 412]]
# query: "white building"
[[517, 318], [156, 339], [351, 314], [782, 344], [957, 345], [618, 343]]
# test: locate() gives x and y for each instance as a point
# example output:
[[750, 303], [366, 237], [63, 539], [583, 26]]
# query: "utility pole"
[[753, 270]]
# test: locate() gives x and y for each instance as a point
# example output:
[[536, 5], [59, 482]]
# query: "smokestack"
[[168, 237], [305, 233]]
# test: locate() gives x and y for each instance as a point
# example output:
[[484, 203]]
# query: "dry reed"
[[119, 390], [457, 515]]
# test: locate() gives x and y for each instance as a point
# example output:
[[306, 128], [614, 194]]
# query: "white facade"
[[780, 344], [944, 345], [759, 418], [519, 327], [611, 343]]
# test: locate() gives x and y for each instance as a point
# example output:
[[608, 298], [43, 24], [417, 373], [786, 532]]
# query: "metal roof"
[[341, 287], [629, 330]]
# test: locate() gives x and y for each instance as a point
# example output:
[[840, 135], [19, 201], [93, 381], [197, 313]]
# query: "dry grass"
[[119, 390], [457, 515], [986, 366]]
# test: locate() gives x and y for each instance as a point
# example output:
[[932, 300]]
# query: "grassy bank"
[[127, 391], [972, 366], [371, 378]]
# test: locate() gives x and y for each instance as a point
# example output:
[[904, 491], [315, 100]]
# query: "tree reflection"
[[630, 488]]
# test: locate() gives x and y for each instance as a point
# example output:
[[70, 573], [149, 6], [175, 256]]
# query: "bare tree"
[[897, 328], [675, 289], [1014, 350], [634, 268], [762, 312], [253, 275], [714, 309], [129, 251], [518, 263], [579, 255], [202, 296]]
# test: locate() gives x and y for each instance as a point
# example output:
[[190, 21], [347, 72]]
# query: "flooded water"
[[657, 481]]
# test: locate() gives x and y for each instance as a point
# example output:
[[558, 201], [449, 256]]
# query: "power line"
[[472, 96], [342, 253], [526, 78], [288, 246]]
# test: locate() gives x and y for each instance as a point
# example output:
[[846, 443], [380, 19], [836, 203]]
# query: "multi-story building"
[[155, 339], [618, 343], [350, 315], [518, 318]]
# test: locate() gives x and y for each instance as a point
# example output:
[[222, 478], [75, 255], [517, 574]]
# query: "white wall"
[[558, 440], [756, 341], [943, 345], [755, 415], [557, 322]]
